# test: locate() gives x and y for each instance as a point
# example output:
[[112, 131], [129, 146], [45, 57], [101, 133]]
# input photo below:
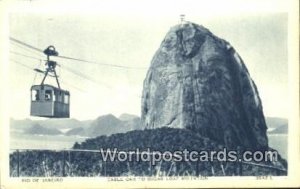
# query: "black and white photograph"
[[152, 93]]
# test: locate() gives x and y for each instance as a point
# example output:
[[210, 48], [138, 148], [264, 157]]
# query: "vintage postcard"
[[147, 94]]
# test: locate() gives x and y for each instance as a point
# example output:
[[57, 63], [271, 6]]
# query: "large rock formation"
[[199, 82]]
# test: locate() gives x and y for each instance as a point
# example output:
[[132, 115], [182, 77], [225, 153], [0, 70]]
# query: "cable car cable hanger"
[[51, 65]]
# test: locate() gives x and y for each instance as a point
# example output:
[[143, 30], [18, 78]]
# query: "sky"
[[128, 33]]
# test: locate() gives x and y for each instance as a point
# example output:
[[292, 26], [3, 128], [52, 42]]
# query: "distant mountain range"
[[37, 129], [105, 125]]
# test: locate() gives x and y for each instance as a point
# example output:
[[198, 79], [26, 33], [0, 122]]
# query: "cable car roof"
[[49, 86]]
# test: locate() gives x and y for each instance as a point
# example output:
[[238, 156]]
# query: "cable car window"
[[54, 97], [59, 96], [67, 98], [48, 95], [35, 95]]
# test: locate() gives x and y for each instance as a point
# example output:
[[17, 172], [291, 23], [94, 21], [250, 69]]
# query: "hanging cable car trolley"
[[47, 100]]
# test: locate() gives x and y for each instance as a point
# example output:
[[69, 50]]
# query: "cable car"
[[47, 100]]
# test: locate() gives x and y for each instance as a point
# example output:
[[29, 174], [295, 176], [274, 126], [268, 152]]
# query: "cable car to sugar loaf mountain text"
[[47, 100]]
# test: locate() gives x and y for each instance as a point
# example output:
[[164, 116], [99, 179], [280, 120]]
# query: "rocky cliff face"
[[199, 82]]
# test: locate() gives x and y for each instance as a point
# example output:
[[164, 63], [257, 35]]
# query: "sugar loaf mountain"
[[199, 82], [197, 95]]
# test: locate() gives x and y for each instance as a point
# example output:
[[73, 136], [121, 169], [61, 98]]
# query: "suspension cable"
[[76, 59]]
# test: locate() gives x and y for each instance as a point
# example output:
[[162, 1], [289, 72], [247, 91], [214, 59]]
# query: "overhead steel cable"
[[85, 76], [76, 59], [91, 79], [28, 67], [67, 68], [75, 73], [24, 65], [67, 83], [27, 56], [25, 44], [102, 64], [22, 47]]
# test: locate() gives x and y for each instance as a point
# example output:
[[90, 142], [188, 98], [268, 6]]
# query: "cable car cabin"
[[49, 101]]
